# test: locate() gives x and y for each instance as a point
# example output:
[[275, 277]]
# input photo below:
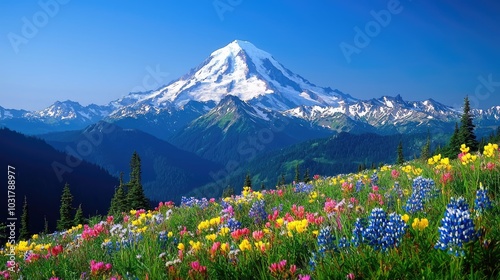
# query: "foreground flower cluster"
[[421, 220]]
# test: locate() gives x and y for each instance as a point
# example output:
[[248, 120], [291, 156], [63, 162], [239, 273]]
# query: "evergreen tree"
[[3, 232], [228, 192], [136, 198], [426, 149], [248, 181], [24, 233], [297, 174], [400, 159], [282, 180], [453, 148], [65, 220], [466, 132], [307, 177], [118, 203], [45, 225], [361, 167], [79, 219]]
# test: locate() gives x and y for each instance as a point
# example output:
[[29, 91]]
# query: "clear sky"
[[96, 51]]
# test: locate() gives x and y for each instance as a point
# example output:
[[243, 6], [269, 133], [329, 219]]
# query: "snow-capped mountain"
[[392, 114], [251, 74], [11, 113], [257, 79], [70, 110]]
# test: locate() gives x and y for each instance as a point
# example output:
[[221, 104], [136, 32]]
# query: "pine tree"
[[297, 174], [65, 220], [307, 177], [400, 159], [228, 192], [453, 148], [24, 233], [136, 198], [282, 180], [79, 219], [45, 225], [118, 203], [466, 132], [248, 181], [3, 231], [426, 149]]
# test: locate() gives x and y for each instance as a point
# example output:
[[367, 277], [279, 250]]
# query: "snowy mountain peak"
[[234, 48], [249, 73]]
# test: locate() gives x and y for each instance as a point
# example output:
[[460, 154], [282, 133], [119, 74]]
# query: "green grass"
[[149, 241]]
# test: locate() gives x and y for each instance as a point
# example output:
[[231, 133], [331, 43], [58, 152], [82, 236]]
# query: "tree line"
[[127, 196]]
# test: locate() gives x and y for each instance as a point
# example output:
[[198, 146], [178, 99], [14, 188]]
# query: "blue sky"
[[97, 51]]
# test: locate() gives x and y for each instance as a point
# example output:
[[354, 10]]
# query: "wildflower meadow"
[[434, 219]]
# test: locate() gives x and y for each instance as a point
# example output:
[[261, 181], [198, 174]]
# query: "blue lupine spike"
[[457, 228]]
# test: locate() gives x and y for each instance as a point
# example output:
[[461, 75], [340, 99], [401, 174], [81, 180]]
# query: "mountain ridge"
[[254, 76]]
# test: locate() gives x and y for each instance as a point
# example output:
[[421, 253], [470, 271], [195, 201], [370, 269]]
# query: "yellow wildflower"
[[245, 245], [417, 171], [195, 246], [204, 225], [224, 231], [490, 149], [180, 247], [312, 196], [214, 221], [225, 247], [420, 224], [246, 191], [405, 218], [211, 237], [464, 148], [259, 195], [262, 246]]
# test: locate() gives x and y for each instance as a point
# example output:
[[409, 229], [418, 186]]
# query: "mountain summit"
[[244, 72], [253, 75]]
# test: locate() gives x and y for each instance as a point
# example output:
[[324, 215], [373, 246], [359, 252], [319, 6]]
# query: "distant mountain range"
[[252, 75], [232, 109], [167, 172]]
